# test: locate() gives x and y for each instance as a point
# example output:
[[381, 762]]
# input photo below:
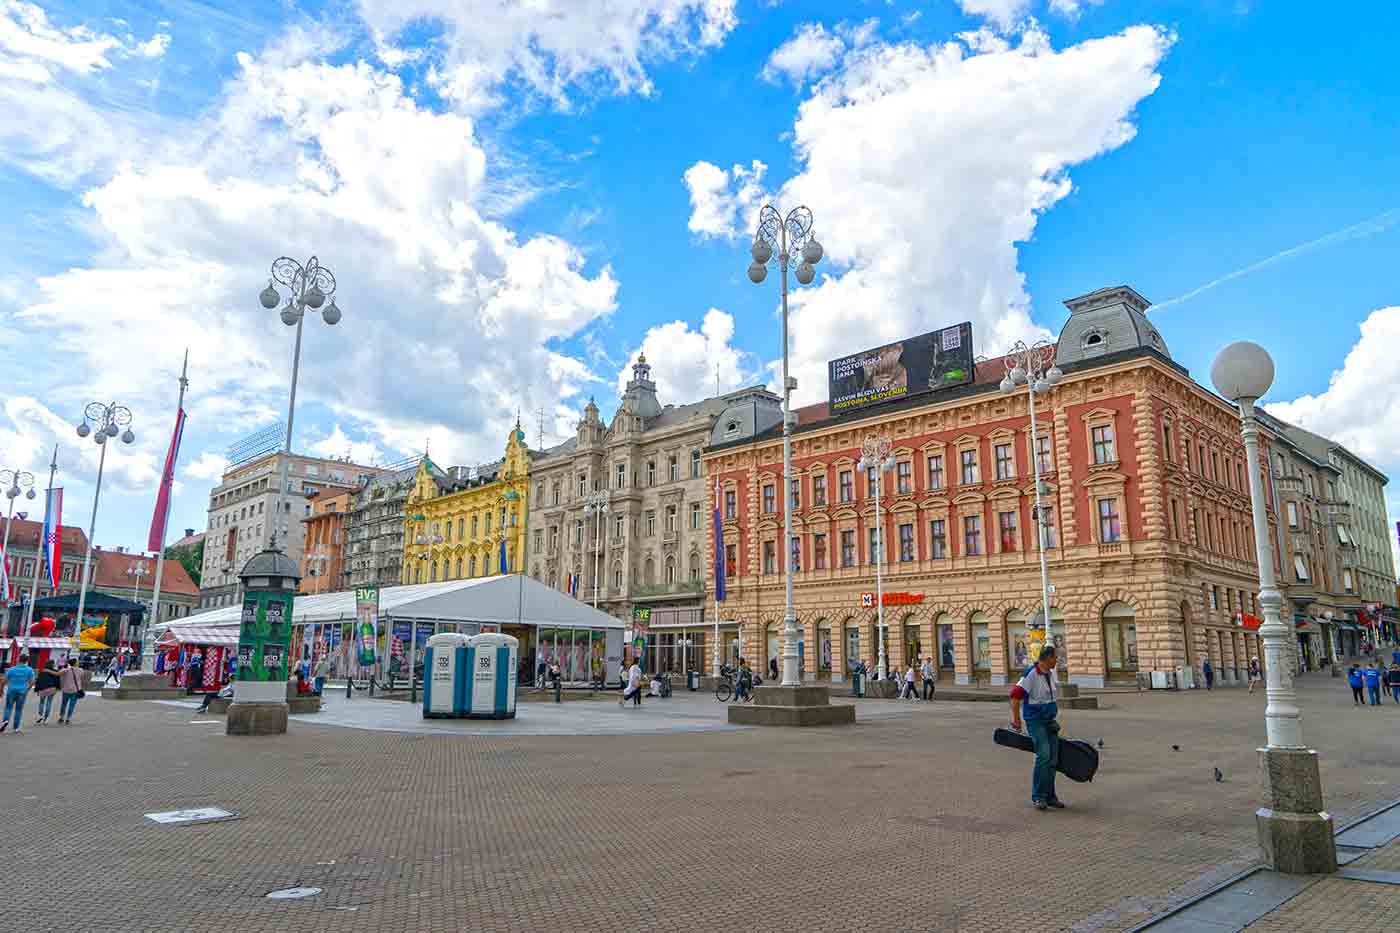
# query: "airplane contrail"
[[1377, 224]]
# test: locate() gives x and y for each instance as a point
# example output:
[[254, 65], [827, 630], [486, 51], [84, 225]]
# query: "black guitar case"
[[1077, 760]]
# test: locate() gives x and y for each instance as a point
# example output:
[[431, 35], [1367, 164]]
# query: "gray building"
[[374, 527], [645, 556]]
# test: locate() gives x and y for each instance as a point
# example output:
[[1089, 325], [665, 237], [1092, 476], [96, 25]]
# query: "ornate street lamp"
[[103, 422], [1295, 833], [785, 239], [875, 456], [13, 482], [596, 504], [1033, 366], [309, 286]]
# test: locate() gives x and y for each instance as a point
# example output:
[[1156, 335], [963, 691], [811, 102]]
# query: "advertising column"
[[264, 646]]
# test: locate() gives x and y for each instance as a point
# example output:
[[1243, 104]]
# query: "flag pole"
[[148, 648], [42, 547]]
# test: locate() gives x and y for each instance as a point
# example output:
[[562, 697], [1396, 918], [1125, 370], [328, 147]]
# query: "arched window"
[[432, 571], [694, 567], [459, 563], [1120, 638], [617, 576], [471, 565], [649, 572], [670, 570]]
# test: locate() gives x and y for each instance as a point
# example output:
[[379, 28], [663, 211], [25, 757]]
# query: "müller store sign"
[[867, 600]]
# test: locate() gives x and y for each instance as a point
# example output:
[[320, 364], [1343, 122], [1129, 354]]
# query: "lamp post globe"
[[331, 313], [289, 316], [1243, 370], [812, 252], [761, 251], [84, 430], [757, 272], [269, 297], [804, 273], [128, 436]]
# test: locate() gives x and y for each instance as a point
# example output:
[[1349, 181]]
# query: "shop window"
[[981, 643], [946, 644], [1120, 638]]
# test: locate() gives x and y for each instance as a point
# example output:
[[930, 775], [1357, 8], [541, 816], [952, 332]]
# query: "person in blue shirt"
[[1372, 675], [18, 680], [1356, 682]]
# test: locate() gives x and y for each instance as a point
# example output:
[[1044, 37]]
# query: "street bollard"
[[558, 690], [349, 685]]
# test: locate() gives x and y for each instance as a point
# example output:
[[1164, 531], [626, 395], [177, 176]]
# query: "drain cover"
[[291, 894], [193, 815]]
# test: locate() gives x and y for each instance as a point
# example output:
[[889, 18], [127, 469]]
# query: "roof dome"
[[1107, 321], [270, 563]]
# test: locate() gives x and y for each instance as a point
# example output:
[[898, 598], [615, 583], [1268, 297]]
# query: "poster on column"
[[367, 621], [398, 648]]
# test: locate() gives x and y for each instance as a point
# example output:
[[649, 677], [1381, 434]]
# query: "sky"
[[516, 197]]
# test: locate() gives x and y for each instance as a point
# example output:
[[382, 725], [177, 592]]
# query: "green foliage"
[[191, 558]]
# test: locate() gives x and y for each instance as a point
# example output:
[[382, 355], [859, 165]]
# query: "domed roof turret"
[[270, 563], [1105, 321]]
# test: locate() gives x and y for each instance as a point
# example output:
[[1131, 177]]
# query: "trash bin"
[[444, 676], [491, 661], [692, 680], [857, 684]]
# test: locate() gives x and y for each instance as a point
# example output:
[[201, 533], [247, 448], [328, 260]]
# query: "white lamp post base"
[[1295, 833]]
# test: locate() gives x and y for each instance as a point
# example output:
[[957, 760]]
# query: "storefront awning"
[[38, 644]]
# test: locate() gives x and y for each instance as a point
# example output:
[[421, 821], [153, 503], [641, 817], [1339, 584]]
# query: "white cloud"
[[1004, 13], [686, 364], [926, 167], [812, 51], [1360, 408], [339, 444], [208, 466], [1072, 8], [724, 203], [30, 43], [154, 47], [547, 48]]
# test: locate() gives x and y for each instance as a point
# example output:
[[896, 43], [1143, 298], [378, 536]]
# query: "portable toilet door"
[[493, 681], [445, 664]]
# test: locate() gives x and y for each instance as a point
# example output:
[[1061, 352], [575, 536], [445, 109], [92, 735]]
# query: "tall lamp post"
[[784, 239], [596, 504], [14, 483], [1295, 833], [104, 422], [310, 286], [1033, 366], [875, 456], [136, 571]]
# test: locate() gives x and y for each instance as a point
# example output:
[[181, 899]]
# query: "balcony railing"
[[1289, 484], [682, 588]]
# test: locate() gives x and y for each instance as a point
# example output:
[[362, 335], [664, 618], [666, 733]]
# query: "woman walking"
[[1254, 674], [1355, 681], [46, 685], [70, 685]]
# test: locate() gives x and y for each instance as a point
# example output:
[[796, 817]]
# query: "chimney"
[[189, 532], [121, 548]]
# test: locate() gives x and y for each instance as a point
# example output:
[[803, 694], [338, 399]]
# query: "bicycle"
[[725, 690]]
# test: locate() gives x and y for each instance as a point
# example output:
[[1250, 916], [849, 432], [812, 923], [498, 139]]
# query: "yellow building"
[[467, 522]]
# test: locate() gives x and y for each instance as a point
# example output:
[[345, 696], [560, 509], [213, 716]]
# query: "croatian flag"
[[53, 540], [573, 585], [5, 576], [155, 542], [719, 549]]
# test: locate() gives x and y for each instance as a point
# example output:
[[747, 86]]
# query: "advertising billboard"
[[929, 362]]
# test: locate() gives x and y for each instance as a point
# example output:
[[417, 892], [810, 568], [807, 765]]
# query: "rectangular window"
[[1215, 597], [694, 515], [1175, 530], [1109, 529], [872, 542], [795, 554], [937, 539], [770, 500], [904, 477], [578, 531], [1005, 467], [969, 467], [582, 485], [557, 493], [795, 489], [870, 475], [1044, 459], [819, 552], [972, 535], [539, 539], [1006, 525], [770, 557], [935, 472], [695, 464], [1052, 539], [651, 524], [847, 482], [1167, 442], [1215, 466], [673, 466], [617, 528], [1347, 580], [819, 490], [620, 476], [848, 549], [1104, 450], [729, 506], [906, 543], [670, 518], [553, 535], [1300, 567], [731, 560]]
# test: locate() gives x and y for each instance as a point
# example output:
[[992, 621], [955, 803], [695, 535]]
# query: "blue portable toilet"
[[446, 673], [490, 687]]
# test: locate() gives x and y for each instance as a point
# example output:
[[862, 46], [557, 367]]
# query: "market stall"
[[214, 645]]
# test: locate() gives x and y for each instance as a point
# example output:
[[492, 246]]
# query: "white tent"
[[515, 599]]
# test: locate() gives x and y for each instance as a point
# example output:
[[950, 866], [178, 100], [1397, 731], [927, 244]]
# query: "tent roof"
[[502, 600]]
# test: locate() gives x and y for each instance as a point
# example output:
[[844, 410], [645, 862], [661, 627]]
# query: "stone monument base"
[[256, 718], [1295, 833], [141, 687], [791, 706]]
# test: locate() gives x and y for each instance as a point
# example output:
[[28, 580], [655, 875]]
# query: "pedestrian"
[[634, 686], [1392, 680], [928, 675], [909, 690], [18, 679], [1372, 676], [1033, 708], [1254, 674], [1209, 672], [621, 675], [541, 670], [1356, 682], [323, 668], [46, 685], [743, 684], [194, 676], [773, 667], [70, 685]]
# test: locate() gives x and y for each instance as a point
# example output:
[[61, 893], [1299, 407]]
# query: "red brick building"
[[1149, 544]]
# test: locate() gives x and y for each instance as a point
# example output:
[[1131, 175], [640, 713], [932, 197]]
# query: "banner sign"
[[929, 362], [366, 621]]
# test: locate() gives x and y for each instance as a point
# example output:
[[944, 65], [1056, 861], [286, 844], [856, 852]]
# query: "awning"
[[41, 643], [200, 635]]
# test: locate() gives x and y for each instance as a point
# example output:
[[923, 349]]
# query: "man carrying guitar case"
[[1034, 708]]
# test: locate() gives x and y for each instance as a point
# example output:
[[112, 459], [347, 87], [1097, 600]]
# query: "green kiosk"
[[259, 704]]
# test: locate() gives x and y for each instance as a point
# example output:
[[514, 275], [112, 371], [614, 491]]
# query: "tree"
[[191, 558]]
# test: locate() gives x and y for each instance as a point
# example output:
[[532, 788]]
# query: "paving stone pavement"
[[912, 818]]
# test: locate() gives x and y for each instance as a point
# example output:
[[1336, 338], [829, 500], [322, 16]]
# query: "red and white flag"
[[53, 536], [5, 576], [156, 540]]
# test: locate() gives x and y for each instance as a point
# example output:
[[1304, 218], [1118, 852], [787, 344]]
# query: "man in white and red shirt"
[[1033, 700]]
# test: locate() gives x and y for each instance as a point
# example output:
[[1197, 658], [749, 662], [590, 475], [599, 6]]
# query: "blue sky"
[[515, 204]]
